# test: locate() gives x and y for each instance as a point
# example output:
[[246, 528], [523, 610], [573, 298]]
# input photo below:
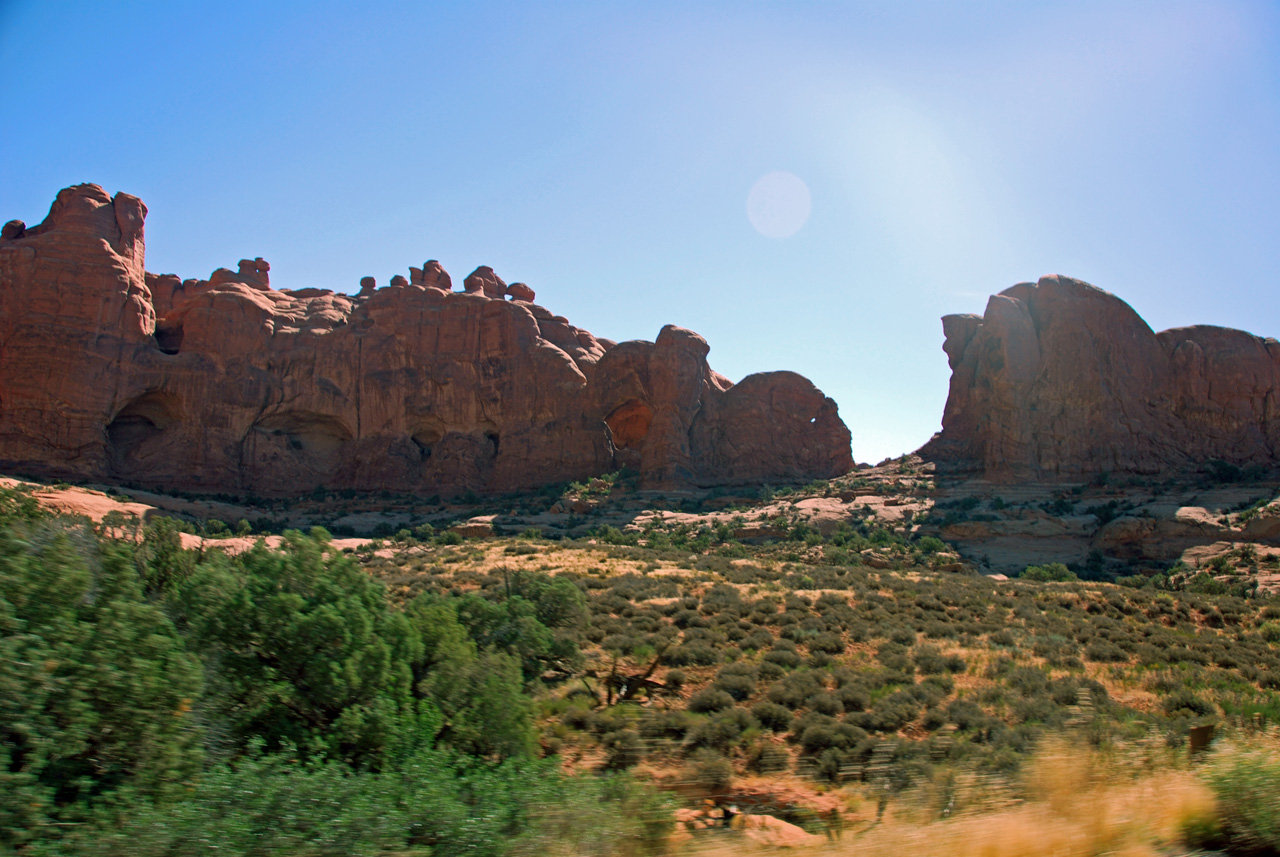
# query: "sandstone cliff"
[[227, 385], [1059, 379]]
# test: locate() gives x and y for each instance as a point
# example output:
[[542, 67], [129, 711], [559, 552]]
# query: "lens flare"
[[778, 205]]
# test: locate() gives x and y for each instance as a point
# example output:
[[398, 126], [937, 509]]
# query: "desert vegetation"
[[628, 690]]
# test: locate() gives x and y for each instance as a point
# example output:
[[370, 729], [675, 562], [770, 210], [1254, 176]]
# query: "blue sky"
[[604, 154]]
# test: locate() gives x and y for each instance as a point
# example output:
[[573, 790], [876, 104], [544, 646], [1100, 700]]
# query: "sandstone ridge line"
[[113, 374]]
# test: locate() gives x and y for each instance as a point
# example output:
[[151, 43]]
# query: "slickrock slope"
[[110, 373], [1059, 379]]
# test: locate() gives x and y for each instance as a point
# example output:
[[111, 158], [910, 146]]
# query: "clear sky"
[[915, 158]]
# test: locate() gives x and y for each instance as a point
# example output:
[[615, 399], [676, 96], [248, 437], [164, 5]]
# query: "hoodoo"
[[113, 374], [1060, 380]]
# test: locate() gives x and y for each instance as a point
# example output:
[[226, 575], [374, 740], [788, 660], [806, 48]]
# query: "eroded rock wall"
[[1060, 380], [226, 385]]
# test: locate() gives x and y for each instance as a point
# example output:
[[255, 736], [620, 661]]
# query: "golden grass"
[[1077, 805]]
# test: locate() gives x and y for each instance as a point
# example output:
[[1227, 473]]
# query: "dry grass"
[[1076, 805]]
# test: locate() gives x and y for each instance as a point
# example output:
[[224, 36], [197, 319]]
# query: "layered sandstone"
[[110, 373], [1060, 380]]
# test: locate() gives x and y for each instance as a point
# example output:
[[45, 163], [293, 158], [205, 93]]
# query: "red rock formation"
[[110, 373], [1059, 379], [520, 292]]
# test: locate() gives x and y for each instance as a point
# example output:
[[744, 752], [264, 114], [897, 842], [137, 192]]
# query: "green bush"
[[1184, 702], [263, 804], [827, 642], [783, 658], [721, 731], [709, 771], [1050, 572], [768, 758], [1244, 781], [692, 654], [772, 716], [738, 686], [302, 649], [711, 699], [97, 689], [1103, 651]]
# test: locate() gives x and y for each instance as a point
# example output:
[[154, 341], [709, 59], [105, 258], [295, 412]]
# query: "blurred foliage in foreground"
[[158, 702]]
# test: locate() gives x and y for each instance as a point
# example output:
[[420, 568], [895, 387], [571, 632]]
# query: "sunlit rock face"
[[110, 373], [1060, 379]]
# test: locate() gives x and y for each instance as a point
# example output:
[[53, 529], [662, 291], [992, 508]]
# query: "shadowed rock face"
[[110, 373], [1059, 379]]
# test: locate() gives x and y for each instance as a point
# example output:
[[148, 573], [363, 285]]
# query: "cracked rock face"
[[1061, 380], [114, 374]]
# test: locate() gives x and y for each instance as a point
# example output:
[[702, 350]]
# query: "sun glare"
[[778, 205]]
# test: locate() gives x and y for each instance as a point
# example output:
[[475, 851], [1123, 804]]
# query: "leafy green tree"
[[479, 693], [557, 601], [510, 625], [162, 561], [303, 650], [96, 687], [1049, 572]]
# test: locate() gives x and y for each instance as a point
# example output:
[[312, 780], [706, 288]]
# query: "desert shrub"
[[693, 654], [934, 719], [902, 637], [674, 679], [827, 642], [1053, 571], [853, 697], [932, 690], [1185, 702], [818, 732], [929, 660], [1222, 471], [769, 671], [1243, 780], [1003, 638], [737, 680], [711, 699], [794, 689], [1103, 651], [819, 661], [1028, 681], [264, 804], [894, 658], [740, 687], [709, 771], [623, 750], [768, 758], [940, 630], [930, 545], [669, 724], [889, 714], [967, 715], [622, 644], [783, 658], [825, 703], [773, 716], [720, 731]]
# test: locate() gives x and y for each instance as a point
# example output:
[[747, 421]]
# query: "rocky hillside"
[[227, 385], [1060, 380]]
